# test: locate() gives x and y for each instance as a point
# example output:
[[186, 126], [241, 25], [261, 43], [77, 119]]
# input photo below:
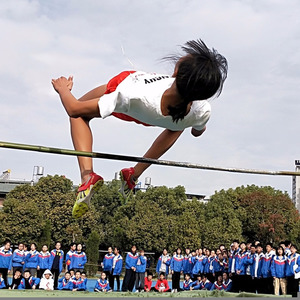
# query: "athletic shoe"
[[85, 193], [127, 184]]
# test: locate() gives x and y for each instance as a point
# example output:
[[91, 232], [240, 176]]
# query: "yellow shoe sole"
[[81, 206]]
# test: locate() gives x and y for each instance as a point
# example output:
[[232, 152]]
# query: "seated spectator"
[[227, 282], [218, 284], [102, 284], [16, 280], [47, 282], [205, 283], [66, 283], [83, 277], [148, 282], [162, 285], [187, 283], [28, 282], [196, 284], [2, 283], [78, 282], [72, 273]]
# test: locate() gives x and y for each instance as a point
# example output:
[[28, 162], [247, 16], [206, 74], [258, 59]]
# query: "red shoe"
[[126, 176], [85, 193]]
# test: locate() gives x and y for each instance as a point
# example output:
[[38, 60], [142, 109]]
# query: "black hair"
[[280, 247], [236, 241], [67, 273], [73, 244], [200, 75], [78, 272], [162, 273], [259, 245], [287, 243], [149, 274], [269, 244]]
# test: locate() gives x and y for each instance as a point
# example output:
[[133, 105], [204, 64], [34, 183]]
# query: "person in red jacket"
[[162, 285], [148, 282]]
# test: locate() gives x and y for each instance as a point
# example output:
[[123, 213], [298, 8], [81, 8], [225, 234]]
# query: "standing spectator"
[[227, 282], [210, 262], [162, 285], [293, 267], [107, 265], [218, 265], [47, 282], [241, 262], [148, 282], [78, 259], [257, 269], [140, 271], [130, 268], [16, 280], [266, 269], [43, 261], [187, 262], [176, 269], [28, 282], [18, 258], [278, 271], [66, 283], [287, 249], [31, 260], [205, 262], [69, 255], [198, 267], [163, 263], [250, 284], [102, 285], [235, 249], [5, 261], [56, 262], [117, 268]]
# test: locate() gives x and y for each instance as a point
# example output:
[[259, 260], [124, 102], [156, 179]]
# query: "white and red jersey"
[[139, 96]]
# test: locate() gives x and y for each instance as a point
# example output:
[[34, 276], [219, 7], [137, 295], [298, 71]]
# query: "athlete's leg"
[[82, 135]]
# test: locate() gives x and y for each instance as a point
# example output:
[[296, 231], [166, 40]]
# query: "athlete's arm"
[[160, 146], [197, 133]]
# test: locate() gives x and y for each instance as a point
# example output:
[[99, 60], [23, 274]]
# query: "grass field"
[[66, 294]]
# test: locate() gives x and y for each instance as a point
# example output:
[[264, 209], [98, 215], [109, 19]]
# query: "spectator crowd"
[[243, 267]]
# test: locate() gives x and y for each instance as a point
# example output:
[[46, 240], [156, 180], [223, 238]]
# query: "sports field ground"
[[67, 294]]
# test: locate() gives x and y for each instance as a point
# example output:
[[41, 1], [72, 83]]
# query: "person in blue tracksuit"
[[187, 262], [241, 263], [198, 266], [18, 258], [278, 271], [31, 260], [78, 282], [176, 267], [227, 282], [78, 259], [66, 283], [28, 281], [107, 265], [210, 263], [266, 269], [218, 284], [205, 283], [293, 268], [69, 254], [43, 261], [56, 262], [256, 270], [130, 269], [5, 261], [163, 263], [117, 267], [140, 271], [102, 285], [218, 265], [2, 283], [187, 284], [196, 284]]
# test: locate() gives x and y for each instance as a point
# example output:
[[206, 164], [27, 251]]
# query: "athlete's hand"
[[62, 83]]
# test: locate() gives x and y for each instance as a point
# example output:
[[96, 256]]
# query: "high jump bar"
[[59, 151]]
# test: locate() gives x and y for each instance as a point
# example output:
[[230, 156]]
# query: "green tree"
[[92, 252]]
